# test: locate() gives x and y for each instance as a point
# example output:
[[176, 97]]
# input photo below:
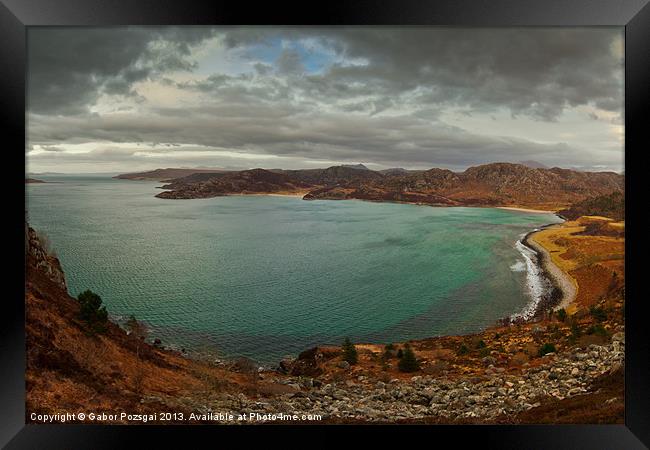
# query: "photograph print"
[[230, 225]]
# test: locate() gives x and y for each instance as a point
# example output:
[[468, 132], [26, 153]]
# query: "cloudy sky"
[[129, 99]]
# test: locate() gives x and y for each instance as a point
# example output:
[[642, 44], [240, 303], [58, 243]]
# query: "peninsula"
[[495, 184]]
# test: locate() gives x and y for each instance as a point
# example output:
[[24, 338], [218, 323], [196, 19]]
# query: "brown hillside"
[[496, 184]]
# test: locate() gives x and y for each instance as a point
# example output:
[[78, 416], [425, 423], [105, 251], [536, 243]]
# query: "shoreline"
[[261, 194], [530, 210], [564, 290], [302, 194]]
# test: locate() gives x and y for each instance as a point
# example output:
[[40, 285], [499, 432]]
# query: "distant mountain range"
[[163, 174], [495, 184]]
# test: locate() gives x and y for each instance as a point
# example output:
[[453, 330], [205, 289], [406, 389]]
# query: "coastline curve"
[[563, 285]]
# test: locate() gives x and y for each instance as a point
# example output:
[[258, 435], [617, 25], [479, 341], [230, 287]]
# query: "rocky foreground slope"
[[496, 184], [496, 396]]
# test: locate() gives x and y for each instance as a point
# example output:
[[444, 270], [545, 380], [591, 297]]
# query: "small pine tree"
[[561, 314], [92, 312], [463, 350], [349, 352], [598, 313], [389, 351], [408, 362]]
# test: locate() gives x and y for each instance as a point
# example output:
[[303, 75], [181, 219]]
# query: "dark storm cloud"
[[373, 95], [69, 68], [537, 72]]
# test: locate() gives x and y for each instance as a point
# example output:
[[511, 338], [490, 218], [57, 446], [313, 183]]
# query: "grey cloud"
[[385, 140], [69, 68], [537, 72], [262, 69]]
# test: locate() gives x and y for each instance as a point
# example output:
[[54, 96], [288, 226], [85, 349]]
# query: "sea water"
[[268, 276]]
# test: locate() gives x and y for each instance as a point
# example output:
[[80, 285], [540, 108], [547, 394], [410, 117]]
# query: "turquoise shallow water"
[[265, 276]]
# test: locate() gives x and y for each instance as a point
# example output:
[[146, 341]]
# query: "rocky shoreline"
[[563, 292]]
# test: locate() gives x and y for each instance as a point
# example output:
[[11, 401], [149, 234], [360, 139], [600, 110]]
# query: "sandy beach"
[[295, 194], [270, 194], [514, 208], [561, 279]]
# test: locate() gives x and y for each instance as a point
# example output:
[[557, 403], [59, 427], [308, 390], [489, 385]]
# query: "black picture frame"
[[633, 15]]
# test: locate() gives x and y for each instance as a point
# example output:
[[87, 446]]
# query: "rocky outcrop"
[[42, 259], [307, 363]]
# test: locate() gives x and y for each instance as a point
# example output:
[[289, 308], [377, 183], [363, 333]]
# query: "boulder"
[[489, 360], [343, 365], [285, 365], [619, 337]]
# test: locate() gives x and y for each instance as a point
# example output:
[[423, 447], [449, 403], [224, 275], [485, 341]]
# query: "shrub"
[[598, 313], [463, 350], [138, 330], [389, 351], [481, 344], [400, 353], [92, 312], [575, 331], [561, 314], [408, 362], [349, 352], [547, 348]]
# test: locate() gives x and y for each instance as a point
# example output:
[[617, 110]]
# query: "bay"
[[269, 276]]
